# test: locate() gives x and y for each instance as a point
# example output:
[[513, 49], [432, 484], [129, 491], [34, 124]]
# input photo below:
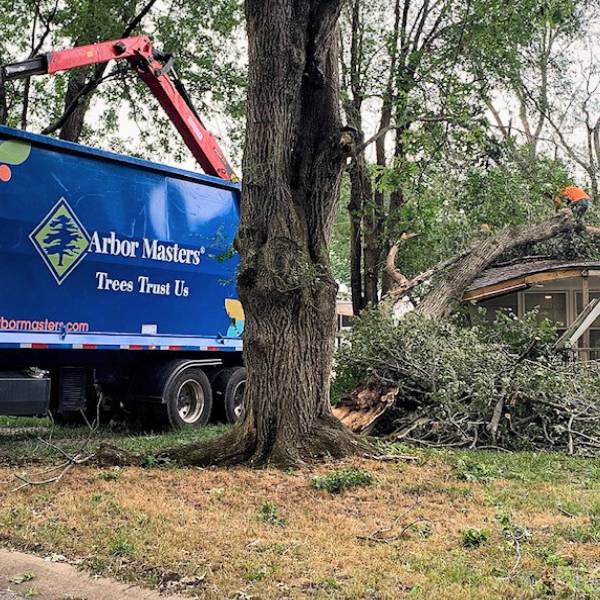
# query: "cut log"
[[361, 410]]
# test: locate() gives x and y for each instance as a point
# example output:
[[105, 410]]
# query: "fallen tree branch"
[[79, 457], [450, 289], [378, 536]]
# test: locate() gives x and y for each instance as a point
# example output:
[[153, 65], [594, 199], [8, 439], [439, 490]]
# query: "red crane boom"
[[154, 69]]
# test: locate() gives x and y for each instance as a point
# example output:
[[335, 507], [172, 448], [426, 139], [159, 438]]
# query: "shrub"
[[342, 479], [473, 537]]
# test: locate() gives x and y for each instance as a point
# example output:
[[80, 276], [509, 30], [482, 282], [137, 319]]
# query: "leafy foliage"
[[339, 248], [473, 537], [447, 211], [450, 379], [201, 35], [449, 171]]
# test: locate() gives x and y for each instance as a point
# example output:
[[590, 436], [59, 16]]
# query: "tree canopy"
[[202, 36]]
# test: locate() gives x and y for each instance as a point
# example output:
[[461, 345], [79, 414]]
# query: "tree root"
[[328, 439]]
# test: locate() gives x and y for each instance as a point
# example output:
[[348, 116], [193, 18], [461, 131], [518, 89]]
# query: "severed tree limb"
[[467, 265], [390, 264], [402, 289], [460, 272], [440, 300]]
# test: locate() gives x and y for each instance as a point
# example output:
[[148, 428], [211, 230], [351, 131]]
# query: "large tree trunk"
[[440, 301], [292, 166]]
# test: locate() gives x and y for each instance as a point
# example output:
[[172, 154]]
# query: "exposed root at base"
[[329, 439]]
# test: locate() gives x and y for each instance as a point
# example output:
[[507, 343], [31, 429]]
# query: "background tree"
[[550, 102], [418, 86], [199, 34]]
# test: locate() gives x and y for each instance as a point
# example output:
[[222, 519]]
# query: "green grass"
[[530, 467], [342, 479], [18, 422], [22, 447], [473, 509]]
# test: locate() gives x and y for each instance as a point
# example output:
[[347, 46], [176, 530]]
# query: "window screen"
[[550, 305], [508, 302]]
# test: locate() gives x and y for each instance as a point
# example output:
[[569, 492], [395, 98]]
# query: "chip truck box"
[[106, 253]]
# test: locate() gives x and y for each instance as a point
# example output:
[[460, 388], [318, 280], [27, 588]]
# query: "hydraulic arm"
[[156, 70]]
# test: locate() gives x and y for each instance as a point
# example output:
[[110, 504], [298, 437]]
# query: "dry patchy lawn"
[[442, 527]]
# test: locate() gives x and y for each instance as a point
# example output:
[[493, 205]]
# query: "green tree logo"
[[61, 240]]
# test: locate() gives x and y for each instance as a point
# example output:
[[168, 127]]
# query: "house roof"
[[500, 280]]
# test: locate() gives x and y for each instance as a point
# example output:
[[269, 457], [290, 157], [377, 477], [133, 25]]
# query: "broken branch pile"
[[436, 383]]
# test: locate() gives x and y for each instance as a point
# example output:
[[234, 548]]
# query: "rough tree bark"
[[80, 101], [360, 193], [292, 165], [3, 104], [464, 268]]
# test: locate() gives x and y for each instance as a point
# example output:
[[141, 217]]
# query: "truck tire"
[[187, 400], [229, 387]]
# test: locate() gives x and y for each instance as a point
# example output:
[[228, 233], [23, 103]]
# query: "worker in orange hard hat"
[[575, 198]]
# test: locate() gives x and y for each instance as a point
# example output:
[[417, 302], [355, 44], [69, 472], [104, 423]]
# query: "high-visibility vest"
[[574, 193]]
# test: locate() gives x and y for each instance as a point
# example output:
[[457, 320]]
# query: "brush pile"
[[435, 382]]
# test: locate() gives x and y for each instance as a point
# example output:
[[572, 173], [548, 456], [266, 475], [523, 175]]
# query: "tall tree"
[[294, 155], [550, 102], [198, 33], [430, 59]]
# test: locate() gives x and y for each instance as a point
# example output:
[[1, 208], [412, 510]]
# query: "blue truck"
[[118, 284]]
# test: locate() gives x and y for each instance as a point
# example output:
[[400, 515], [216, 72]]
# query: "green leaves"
[[473, 537], [203, 36], [451, 377]]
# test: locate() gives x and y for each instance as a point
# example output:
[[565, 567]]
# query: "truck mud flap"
[[22, 395]]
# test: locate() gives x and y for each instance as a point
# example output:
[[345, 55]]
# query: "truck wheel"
[[234, 395], [187, 399]]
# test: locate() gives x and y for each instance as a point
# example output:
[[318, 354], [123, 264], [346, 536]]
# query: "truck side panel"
[[113, 253]]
